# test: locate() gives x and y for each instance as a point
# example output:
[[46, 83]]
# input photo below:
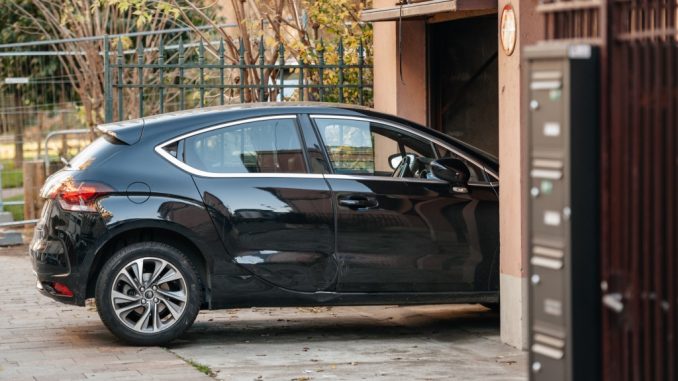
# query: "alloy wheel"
[[149, 295]]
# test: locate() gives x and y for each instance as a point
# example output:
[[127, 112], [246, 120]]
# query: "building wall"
[[513, 176], [405, 96]]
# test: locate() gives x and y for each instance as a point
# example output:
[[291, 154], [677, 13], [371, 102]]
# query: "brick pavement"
[[41, 339]]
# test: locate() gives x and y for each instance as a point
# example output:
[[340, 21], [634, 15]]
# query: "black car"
[[266, 205]]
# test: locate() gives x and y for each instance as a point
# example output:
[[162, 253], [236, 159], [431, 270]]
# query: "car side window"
[[268, 146], [364, 148], [476, 172]]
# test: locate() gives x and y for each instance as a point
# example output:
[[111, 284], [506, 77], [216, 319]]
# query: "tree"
[[79, 25], [308, 29], [19, 101]]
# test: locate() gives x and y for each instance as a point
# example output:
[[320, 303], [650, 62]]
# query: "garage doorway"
[[463, 80]]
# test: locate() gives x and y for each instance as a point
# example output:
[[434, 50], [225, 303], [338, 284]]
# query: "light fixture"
[[508, 28]]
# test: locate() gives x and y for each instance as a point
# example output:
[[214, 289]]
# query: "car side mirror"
[[454, 171], [395, 160]]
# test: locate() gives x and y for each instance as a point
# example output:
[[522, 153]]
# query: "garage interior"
[[463, 80]]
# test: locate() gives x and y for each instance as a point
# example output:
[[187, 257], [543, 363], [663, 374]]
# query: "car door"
[[274, 217], [407, 233]]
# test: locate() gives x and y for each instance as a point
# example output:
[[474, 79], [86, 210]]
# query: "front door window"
[[358, 147]]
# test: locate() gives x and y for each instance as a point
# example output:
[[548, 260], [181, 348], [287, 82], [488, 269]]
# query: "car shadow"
[[443, 323]]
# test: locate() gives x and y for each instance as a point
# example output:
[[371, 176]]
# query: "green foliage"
[[337, 21], [18, 27], [142, 10], [316, 29], [12, 177], [16, 210]]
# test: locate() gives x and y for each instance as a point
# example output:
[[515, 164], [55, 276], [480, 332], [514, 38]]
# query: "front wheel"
[[148, 293]]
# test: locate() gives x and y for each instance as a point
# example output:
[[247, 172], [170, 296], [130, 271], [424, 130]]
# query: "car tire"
[[151, 306]]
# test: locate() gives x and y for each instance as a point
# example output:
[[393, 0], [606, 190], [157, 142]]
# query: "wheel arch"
[[169, 234]]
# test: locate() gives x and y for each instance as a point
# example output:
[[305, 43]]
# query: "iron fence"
[[183, 76]]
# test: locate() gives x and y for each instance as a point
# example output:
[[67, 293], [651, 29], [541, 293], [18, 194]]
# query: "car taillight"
[[62, 289], [76, 196]]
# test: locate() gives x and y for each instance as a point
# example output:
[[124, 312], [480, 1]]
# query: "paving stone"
[[41, 339]]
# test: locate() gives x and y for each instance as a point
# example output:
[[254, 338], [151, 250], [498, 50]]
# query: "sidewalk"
[[43, 340]]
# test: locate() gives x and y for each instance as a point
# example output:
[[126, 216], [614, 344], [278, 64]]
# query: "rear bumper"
[[55, 267], [49, 289], [53, 272]]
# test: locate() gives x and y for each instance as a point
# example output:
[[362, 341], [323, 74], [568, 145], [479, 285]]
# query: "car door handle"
[[358, 202]]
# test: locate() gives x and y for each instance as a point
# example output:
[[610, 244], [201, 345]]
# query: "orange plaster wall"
[[405, 97], [512, 142]]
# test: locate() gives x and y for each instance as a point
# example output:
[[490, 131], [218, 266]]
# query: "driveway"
[[43, 340]]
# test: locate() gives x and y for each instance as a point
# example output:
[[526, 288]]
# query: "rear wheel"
[[148, 293]]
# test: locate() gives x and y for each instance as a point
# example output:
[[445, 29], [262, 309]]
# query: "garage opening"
[[463, 80]]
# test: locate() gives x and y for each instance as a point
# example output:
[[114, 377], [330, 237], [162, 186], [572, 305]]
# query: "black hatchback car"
[[266, 205]]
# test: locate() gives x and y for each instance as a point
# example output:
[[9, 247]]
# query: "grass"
[[11, 177], [16, 210], [202, 368]]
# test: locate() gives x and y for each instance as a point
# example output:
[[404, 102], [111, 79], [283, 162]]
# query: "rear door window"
[[268, 146]]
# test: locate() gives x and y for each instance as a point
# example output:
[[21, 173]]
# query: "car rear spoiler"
[[128, 132]]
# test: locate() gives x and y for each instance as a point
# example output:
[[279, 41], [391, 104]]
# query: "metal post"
[[140, 68], [108, 88], [241, 63], [281, 70], [301, 79], [221, 70], [262, 62], [181, 75], [340, 84], [321, 62], [120, 61], [201, 63], [161, 80], [361, 64]]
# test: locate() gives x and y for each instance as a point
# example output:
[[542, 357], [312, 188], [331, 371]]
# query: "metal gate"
[[640, 210], [179, 76], [639, 172]]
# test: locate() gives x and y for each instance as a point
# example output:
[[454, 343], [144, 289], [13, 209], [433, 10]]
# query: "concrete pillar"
[[513, 179], [406, 96]]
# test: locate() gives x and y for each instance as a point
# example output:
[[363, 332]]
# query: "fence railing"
[[143, 81]]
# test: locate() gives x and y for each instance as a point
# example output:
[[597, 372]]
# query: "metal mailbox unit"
[[563, 128]]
